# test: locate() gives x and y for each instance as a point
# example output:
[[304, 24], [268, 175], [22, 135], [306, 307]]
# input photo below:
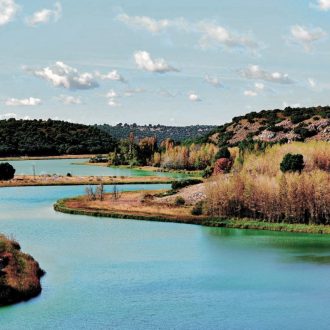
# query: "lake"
[[123, 274], [64, 166]]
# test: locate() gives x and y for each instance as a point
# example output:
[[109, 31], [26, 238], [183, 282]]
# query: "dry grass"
[[53, 180], [316, 156], [259, 190], [131, 203]]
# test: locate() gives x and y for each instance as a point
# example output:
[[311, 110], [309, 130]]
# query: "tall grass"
[[257, 189]]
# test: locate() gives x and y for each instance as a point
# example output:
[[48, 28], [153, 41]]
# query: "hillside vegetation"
[[161, 132], [257, 188], [273, 126], [51, 137]]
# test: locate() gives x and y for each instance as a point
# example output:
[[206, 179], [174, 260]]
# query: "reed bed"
[[257, 188]]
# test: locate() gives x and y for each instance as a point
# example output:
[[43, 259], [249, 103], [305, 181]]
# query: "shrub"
[[292, 163], [223, 153], [185, 183], [207, 172], [297, 118], [304, 132], [6, 171], [198, 208], [222, 165], [179, 201]]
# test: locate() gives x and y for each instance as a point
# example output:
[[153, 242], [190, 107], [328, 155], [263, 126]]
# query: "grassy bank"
[[136, 206], [19, 273], [58, 180]]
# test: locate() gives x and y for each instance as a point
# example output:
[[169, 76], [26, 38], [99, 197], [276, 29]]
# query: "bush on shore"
[[185, 183], [179, 201], [7, 171]]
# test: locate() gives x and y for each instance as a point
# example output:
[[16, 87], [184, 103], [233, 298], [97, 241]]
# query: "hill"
[[290, 124], [51, 137], [177, 133]]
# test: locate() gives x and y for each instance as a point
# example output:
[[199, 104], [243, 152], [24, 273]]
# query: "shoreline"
[[63, 205], [147, 168], [49, 180], [21, 158]]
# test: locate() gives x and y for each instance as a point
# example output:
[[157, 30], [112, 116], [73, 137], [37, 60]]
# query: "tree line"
[[51, 137]]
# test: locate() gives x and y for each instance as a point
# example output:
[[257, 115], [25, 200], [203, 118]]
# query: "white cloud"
[[152, 25], [250, 93], [306, 37], [112, 75], [255, 72], [258, 88], [111, 94], [144, 61], [68, 99], [210, 33], [132, 91], [213, 35], [112, 97], [62, 75], [30, 101], [323, 5], [8, 10], [318, 86], [213, 80], [45, 15], [193, 97], [291, 105]]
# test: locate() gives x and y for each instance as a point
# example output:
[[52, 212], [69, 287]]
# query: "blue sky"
[[169, 62]]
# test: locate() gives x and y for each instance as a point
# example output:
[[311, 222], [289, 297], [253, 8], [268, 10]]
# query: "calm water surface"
[[125, 274], [63, 166]]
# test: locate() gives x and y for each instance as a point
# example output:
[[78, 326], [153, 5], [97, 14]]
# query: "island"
[[20, 274]]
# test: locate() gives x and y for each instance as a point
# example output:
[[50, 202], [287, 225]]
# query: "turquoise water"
[[126, 274], [63, 166]]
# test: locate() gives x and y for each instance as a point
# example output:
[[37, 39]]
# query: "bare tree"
[[115, 193], [91, 195], [100, 191]]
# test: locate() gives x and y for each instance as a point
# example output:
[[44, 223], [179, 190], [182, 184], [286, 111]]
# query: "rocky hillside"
[[290, 124]]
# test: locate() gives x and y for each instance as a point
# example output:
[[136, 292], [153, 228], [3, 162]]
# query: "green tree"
[[292, 163], [223, 153], [6, 171]]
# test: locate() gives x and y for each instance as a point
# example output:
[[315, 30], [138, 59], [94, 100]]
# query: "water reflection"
[[290, 247]]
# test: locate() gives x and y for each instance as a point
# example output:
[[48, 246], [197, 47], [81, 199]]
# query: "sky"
[[161, 62]]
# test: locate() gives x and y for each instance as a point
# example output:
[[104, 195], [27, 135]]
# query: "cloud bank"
[[30, 101], [255, 72]]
